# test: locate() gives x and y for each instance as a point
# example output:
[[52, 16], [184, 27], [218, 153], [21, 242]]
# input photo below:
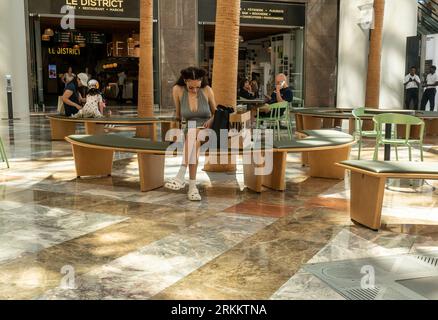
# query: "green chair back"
[[398, 119], [278, 112], [395, 119]]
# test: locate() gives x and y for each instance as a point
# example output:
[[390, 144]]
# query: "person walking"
[[412, 84], [430, 89], [121, 84]]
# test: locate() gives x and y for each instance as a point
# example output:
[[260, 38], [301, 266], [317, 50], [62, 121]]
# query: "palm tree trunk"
[[225, 66], [374, 60], [226, 52], [146, 75]]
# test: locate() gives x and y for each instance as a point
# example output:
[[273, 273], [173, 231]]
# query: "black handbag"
[[221, 121]]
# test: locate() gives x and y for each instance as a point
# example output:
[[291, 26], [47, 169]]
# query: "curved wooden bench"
[[368, 180], [319, 118], [62, 127], [94, 157], [321, 150]]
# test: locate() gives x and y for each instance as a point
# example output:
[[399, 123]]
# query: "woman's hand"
[[208, 124], [78, 107]]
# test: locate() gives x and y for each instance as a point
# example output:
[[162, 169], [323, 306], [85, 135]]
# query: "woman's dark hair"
[[93, 92], [193, 73], [242, 83]]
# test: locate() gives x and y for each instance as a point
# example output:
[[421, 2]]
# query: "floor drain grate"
[[399, 277]]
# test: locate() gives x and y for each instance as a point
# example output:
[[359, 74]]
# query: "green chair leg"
[[376, 153], [3, 154], [360, 149], [421, 152], [396, 152], [410, 153]]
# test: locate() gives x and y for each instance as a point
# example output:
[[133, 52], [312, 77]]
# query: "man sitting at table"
[[282, 93]]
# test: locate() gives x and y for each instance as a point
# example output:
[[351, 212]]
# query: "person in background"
[[282, 93], [255, 88], [94, 106], [430, 89], [412, 84], [245, 90], [194, 102], [68, 76], [121, 84], [88, 73], [72, 98]]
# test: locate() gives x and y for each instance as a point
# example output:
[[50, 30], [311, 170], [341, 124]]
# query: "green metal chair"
[[395, 119], [3, 156], [275, 117], [359, 134]]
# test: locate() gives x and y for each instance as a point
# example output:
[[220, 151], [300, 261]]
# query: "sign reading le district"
[[110, 8]]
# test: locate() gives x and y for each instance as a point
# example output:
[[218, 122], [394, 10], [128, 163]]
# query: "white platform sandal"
[[175, 184], [194, 195]]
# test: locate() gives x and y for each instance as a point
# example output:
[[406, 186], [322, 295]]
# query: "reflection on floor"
[[63, 238]]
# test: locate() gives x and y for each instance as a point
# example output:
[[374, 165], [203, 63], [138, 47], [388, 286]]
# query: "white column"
[[13, 57], [400, 23], [353, 56]]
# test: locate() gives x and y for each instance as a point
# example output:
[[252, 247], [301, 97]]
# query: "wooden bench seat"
[[368, 179], [62, 127], [321, 152], [93, 156]]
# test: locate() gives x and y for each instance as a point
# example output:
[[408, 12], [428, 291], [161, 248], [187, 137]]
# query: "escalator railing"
[[428, 17]]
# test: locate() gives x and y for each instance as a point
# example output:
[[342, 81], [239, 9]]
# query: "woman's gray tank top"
[[201, 115]]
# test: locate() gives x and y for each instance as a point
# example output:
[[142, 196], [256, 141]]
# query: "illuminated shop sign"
[[263, 13], [65, 51], [91, 8], [97, 5]]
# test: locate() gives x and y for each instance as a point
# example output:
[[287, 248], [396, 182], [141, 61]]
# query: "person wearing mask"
[[430, 90], [194, 103], [72, 98], [412, 84]]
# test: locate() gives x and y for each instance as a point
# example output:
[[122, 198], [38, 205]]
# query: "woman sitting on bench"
[[195, 104]]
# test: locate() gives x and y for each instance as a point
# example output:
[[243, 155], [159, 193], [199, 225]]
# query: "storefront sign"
[[264, 13], [65, 51], [97, 5], [102, 8]]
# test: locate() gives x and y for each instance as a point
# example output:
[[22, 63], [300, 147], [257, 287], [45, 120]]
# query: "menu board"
[[96, 38], [78, 37], [63, 37]]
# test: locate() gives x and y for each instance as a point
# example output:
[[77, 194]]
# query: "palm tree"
[[226, 52], [146, 75], [226, 60], [374, 60]]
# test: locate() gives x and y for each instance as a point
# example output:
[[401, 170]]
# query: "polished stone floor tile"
[[144, 273], [112, 241]]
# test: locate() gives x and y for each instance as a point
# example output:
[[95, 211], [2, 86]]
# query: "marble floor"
[[63, 238]]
